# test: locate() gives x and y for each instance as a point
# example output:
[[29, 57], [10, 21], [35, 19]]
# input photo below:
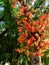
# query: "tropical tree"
[[11, 49]]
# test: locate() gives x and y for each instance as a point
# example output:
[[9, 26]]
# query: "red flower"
[[32, 38], [33, 30], [21, 40], [23, 35], [42, 36], [17, 50], [47, 43], [27, 47], [30, 41], [18, 22], [27, 13], [43, 17], [24, 21], [40, 30], [38, 53], [19, 29], [37, 35], [22, 49], [21, 11], [13, 5], [25, 25], [40, 44]]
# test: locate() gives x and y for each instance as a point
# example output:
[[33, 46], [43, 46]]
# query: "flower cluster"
[[32, 33]]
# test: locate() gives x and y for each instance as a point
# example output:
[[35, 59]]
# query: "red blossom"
[[32, 30], [18, 22], [47, 43], [22, 49], [42, 36], [24, 21], [40, 44], [19, 29], [30, 41], [37, 35], [23, 35], [38, 53], [21, 11], [13, 5], [21, 40], [43, 17], [17, 50], [27, 13]]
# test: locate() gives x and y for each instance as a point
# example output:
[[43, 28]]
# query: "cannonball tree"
[[32, 31]]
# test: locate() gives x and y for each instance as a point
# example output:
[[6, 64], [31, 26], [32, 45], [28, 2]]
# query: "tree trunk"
[[36, 60]]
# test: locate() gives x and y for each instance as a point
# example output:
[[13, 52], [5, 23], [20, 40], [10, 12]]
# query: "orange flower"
[[18, 22], [38, 53], [22, 11], [30, 15], [19, 29], [47, 43], [29, 27], [42, 36], [40, 30], [37, 35], [27, 13], [13, 5], [21, 40], [27, 52], [33, 30], [22, 49], [23, 35], [32, 38], [30, 41], [40, 44], [43, 17], [17, 50], [25, 26], [24, 20], [27, 47]]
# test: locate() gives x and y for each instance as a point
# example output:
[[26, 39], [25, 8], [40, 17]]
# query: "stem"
[[40, 60]]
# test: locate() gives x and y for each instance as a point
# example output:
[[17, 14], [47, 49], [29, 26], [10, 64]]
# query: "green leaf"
[[0, 64]]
